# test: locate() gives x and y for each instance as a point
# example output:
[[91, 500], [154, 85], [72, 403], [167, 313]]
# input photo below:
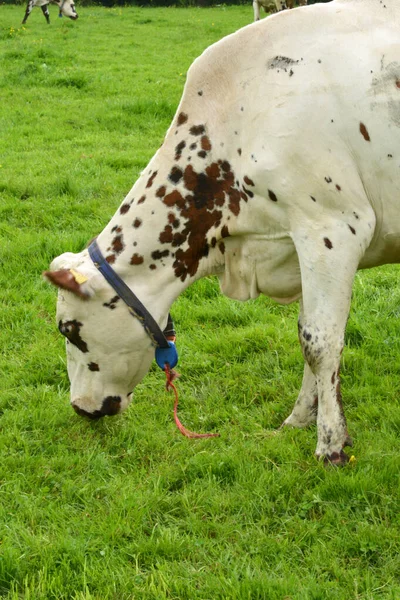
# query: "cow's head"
[[67, 8], [108, 351]]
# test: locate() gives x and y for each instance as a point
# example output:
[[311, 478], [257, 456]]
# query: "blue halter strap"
[[165, 352]]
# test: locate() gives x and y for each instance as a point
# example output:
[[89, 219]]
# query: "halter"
[[165, 351], [61, 7]]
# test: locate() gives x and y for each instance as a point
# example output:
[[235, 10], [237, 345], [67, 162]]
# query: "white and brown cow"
[[280, 173], [66, 8], [274, 5]]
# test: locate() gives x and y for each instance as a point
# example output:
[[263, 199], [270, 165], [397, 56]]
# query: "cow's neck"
[[170, 229]]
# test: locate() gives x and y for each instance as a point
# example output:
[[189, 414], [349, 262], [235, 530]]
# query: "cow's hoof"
[[336, 459]]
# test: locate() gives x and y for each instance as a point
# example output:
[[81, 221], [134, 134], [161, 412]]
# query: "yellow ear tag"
[[79, 278]]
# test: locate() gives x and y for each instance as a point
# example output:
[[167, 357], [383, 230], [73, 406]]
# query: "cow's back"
[[304, 99]]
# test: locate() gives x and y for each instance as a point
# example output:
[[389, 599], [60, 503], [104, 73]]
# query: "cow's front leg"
[[45, 10], [28, 10], [328, 259]]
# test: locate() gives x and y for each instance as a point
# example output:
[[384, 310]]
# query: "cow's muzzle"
[[111, 406]]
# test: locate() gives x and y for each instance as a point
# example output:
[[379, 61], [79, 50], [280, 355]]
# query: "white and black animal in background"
[[280, 174], [274, 5], [66, 8]]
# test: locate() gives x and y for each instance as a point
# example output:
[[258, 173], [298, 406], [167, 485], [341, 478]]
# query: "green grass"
[[127, 508]]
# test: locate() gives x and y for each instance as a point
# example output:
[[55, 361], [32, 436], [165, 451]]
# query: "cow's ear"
[[69, 279]]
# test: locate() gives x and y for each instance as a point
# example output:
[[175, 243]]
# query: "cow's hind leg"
[[45, 10], [256, 9], [306, 407], [329, 257], [28, 10]]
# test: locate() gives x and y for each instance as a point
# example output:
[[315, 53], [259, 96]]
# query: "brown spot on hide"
[[166, 236], [239, 151], [193, 146], [111, 259], [197, 130], [175, 175], [137, 223], [124, 209], [205, 143], [182, 118], [173, 220], [152, 267], [160, 193], [141, 200], [151, 179], [272, 196], [158, 254], [328, 243], [248, 181], [339, 395], [178, 149], [353, 231], [221, 246], [202, 154], [313, 199], [112, 303], [364, 132], [178, 239], [93, 366], [398, 83], [224, 231], [118, 244], [196, 207], [200, 92], [338, 188], [136, 259], [175, 198], [328, 179]]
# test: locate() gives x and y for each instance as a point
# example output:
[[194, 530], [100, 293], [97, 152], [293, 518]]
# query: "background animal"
[[274, 5], [278, 174], [67, 8]]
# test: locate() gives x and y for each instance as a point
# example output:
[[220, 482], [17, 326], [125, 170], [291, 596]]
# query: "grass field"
[[127, 508]]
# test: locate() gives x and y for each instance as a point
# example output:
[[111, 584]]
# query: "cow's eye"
[[66, 329]]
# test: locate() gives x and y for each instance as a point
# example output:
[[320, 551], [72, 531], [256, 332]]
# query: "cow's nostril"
[[111, 405], [97, 414]]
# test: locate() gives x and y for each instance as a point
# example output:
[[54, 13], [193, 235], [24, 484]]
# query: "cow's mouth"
[[94, 416]]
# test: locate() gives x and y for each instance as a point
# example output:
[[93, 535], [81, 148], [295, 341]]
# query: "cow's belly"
[[261, 265]]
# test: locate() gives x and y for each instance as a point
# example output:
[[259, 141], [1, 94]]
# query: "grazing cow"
[[272, 5], [67, 8], [280, 173]]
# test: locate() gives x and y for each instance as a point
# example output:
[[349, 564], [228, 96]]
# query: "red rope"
[[171, 375]]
